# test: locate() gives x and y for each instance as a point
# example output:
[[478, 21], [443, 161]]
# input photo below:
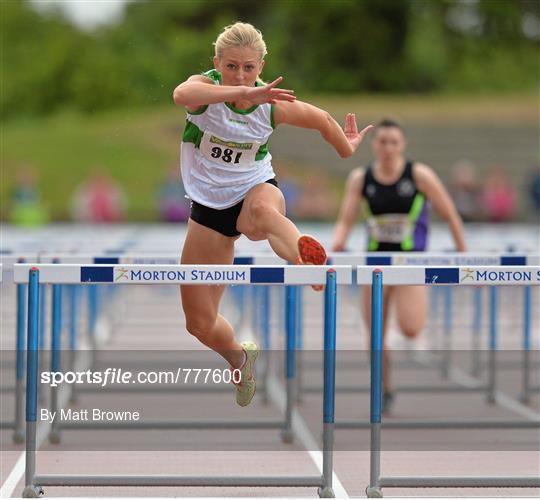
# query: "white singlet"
[[224, 151]]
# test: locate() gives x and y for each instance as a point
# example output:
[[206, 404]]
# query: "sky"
[[86, 13]]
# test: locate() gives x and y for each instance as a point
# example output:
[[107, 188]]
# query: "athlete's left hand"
[[351, 131]]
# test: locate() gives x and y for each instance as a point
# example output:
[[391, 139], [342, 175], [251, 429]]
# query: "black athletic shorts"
[[222, 221]]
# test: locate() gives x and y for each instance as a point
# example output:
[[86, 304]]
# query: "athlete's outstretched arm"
[[199, 90], [301, 114], [429, 183], [349, 209]]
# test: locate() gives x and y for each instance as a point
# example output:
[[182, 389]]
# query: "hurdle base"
[[374, 492], [459, 482], [32, 491], [186, 425], [326, 492], [403, 389], [164, 480], [442, 424]]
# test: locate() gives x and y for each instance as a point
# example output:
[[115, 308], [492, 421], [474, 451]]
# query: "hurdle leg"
[[525, 395], [374, 488], [287, 435], [329, 394], [433, 324], [299, 340], [92, 319], [447, 339], [266, 341], [18, 430], [54, 434], [492, 380], [42, 340], [31, 490], [477, 333], [73, 306]]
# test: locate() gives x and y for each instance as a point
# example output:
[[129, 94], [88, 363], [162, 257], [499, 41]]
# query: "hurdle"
[[454, 259], [62, 274], [449, 276], [398, 273]]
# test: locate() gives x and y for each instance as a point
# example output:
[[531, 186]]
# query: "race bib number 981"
[[226, 152]]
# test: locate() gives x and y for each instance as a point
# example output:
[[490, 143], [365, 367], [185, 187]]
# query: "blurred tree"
[[318, 45]]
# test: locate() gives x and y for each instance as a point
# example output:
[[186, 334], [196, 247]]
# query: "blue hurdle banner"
[[180, 274], [467, 275]]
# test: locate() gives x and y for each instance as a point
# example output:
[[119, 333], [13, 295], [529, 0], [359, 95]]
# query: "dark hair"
[[388, 123]]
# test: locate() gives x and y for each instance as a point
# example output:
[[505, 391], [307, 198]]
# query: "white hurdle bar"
[[59, 274], [436, 276]]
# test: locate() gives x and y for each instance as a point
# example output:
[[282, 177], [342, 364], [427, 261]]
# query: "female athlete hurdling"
[[227, 173], [396, 192]]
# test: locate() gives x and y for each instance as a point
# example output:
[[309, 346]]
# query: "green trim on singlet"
[[262, 152], [373, 244], [272, 119], [214, 75], [192, 134], [414, 213]]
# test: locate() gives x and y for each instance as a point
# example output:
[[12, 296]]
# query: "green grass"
[[138, 147]]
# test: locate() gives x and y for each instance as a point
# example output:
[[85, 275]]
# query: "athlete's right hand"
[[269, 93]]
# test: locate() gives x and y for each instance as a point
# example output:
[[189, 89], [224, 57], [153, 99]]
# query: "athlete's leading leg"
[[263, 217]]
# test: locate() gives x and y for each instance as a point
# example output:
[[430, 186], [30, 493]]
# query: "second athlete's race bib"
[[226, 152], [390, 228]]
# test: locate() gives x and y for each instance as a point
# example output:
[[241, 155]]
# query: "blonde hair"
[[240, 35]]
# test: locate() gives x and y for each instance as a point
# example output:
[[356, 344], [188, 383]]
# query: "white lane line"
[[41, 435], [300, 428], [514, 405]]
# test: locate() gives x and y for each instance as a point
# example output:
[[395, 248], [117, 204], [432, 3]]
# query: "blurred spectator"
[[498, 197], [98, 199], [172, 202], [26, 208], [465, 190], [533, 187], [317, 201]]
